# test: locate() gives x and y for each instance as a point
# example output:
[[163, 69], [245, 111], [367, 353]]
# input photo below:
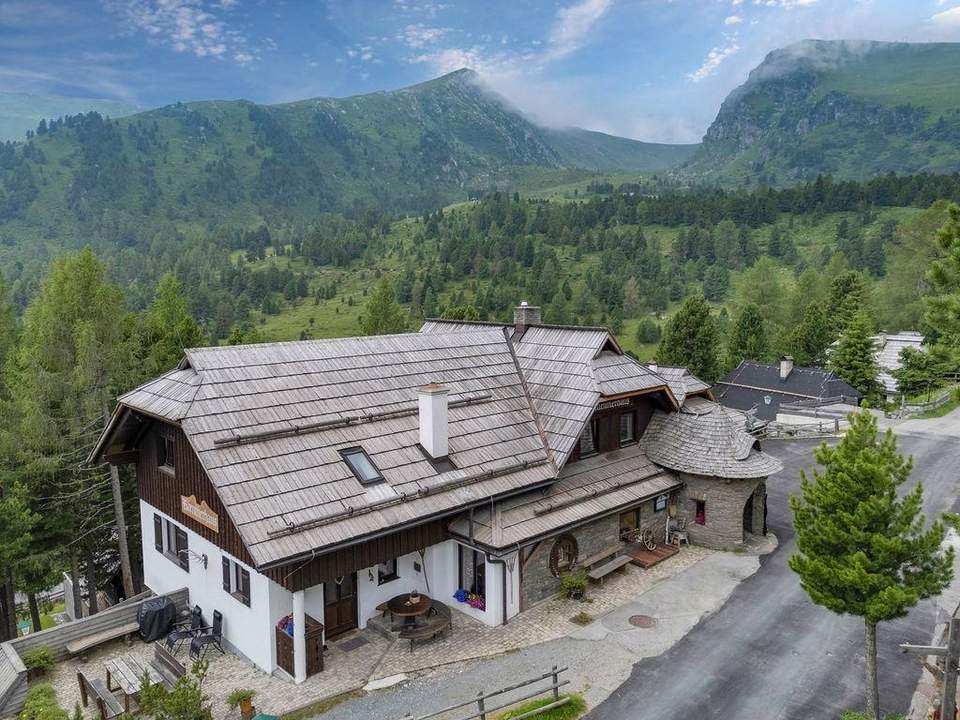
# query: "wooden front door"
[[340, 605]]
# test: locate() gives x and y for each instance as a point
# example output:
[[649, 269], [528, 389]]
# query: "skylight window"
[[362, 466]]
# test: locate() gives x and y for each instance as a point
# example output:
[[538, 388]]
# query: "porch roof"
[[587, 489]]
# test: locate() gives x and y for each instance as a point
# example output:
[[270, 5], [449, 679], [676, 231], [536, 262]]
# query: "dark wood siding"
[[163, 488], [300, 575], [608, 423]]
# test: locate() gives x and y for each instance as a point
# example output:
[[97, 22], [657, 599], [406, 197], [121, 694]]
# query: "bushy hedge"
[[41, 704]]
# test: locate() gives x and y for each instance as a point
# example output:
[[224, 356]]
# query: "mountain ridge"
[[847, 108]]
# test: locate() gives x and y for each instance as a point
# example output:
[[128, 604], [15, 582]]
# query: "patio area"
[[362, 656]]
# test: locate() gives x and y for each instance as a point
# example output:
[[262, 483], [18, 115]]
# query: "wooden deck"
[[648, 558]]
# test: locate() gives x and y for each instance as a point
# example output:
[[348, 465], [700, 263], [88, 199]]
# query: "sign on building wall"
[[613, 404], [200, 512]]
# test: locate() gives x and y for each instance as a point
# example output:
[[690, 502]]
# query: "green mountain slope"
[[209, 163], [851, 109], [20, 112]]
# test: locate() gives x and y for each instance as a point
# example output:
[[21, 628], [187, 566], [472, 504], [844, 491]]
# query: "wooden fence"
[[480, 701], [13, 675]]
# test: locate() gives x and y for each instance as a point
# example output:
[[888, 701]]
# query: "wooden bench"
[[437, 625], [81, 645], [108, 705], [169, 668], [601, 571]]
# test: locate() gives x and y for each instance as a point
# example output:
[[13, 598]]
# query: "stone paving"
[[381, 657]]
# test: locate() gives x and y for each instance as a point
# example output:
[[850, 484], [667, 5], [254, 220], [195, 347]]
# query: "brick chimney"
[[434, 428], [525, 315], [786, 366]]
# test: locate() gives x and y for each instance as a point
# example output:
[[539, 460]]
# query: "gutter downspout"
[[503, 564]]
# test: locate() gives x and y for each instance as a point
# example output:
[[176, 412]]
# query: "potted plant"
[[242, 698], [573, 585]]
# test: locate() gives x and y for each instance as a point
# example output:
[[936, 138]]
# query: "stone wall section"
[[538, 583], [724, 499]]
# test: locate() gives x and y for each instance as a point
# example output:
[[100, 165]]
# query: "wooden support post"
[[480, 707], [556, 684], [949, 705]]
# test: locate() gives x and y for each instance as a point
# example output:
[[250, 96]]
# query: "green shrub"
[[857, 715], [572, 710], [39, 661], [573, 585], [240, 695], [582, 618], [41, 704]]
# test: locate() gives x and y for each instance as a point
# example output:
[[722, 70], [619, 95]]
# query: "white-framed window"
[[170, 540], [236, 580], [628, 429]]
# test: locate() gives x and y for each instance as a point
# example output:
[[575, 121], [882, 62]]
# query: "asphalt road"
[[769, 653]]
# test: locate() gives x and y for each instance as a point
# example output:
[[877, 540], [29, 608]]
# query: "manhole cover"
[[642, 621]]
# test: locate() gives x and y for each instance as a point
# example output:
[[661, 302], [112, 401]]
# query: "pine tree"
[[943, 308], [862, 549], [690, 339], [854, 359], [748, 341], [632, 304], [382, 315], [848, 295], [809, 340], [168, 328]]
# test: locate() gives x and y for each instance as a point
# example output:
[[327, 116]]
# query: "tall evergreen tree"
[[748, 341], [809, 340], [690, 339], [382, 315], [943, 308], [848, 295], [75, 353], [854, 359], [168, 328], [862, 549]]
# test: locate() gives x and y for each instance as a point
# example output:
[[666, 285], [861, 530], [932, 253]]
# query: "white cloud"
[[715, 59], [419, 35], [199, 27], [948, 18], [572, 26], [732, 20]]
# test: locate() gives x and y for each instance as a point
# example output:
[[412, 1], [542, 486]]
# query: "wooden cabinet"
[[314, 648]]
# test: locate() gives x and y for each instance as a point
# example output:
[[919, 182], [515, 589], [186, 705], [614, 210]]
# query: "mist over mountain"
[[852, 109]]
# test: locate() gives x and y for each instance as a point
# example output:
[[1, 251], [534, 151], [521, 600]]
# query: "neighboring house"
[[889, 347], [322, 477], [762, 387]]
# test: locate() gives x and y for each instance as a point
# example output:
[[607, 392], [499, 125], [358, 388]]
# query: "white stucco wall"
[[247, 630]]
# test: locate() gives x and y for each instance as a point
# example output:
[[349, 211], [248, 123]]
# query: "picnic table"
[[403, 607], [128, 671]]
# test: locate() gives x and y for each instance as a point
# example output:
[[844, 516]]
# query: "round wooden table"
[[401, 606]]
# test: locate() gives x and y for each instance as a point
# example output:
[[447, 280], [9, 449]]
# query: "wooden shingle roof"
[[567, 370], [705, 438], [267, 422], [587, 489]]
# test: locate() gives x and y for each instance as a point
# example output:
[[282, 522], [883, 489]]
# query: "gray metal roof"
[[705, 438], [291, 492], [586, 489]]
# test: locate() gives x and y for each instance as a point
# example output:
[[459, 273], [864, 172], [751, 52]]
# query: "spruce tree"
[[690, 339], [748, 341], [168, 328], [854, 358], [862, 549], [382, 315], [809, 340], [848, 295], [943, 308]]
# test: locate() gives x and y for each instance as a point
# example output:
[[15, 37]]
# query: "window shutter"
[[226, 575], [182, 558], [157, 532], [245, 587]]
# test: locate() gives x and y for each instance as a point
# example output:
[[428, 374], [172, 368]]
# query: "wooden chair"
[[206, 636], [107, 704], [185, 629]]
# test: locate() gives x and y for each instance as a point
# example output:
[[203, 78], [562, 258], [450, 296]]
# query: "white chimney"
[[433, 420], [786, 366], [526, 315]]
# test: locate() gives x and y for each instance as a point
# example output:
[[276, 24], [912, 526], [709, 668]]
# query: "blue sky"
[[649, 69]]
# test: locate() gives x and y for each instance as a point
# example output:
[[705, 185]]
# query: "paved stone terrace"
[[379, 657]]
